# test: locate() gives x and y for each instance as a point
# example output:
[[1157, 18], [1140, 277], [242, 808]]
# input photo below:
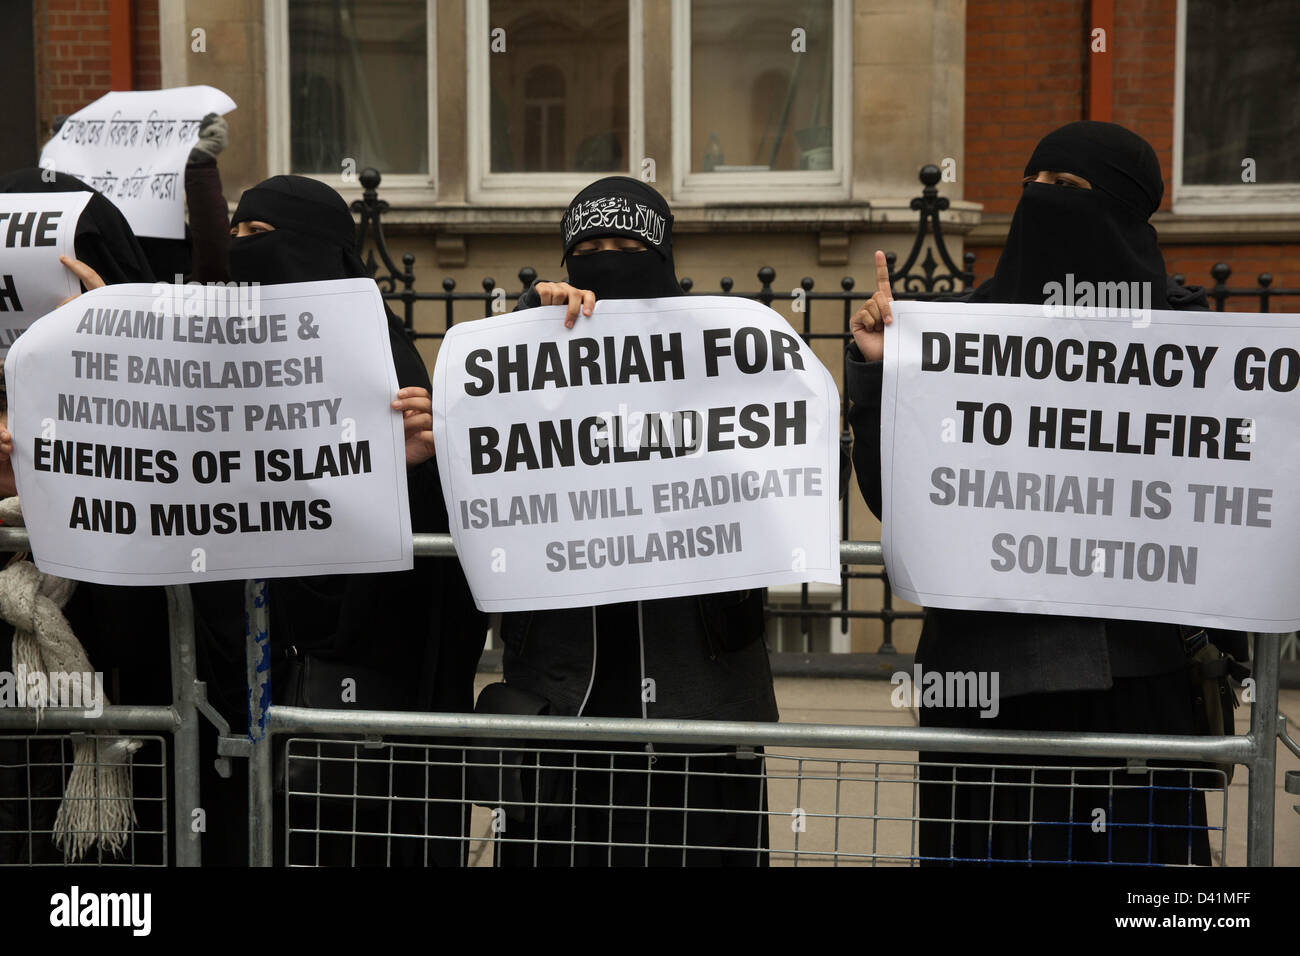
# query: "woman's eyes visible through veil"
[[250, 227], [1058, 179]]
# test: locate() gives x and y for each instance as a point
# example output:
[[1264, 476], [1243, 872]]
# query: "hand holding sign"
[[88, 277], [417, 422], [868, 325], [39, 239], [561, 293], [133, 147]]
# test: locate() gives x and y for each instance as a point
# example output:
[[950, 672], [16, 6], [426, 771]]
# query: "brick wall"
[[147, 69], [1025, 75], [75, 54], [1142, 45]]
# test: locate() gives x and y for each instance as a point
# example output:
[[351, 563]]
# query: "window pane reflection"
[[559, 89], [358, 85], [762, 94]]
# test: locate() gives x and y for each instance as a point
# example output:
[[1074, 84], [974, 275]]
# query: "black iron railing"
[[920, 276]]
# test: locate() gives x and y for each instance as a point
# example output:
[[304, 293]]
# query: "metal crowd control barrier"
[[499, 734], [1255, 749], [179, 719]]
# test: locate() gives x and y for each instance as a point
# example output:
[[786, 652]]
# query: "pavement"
[[857, 807]]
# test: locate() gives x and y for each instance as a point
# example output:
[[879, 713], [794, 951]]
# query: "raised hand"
[[868, 325]]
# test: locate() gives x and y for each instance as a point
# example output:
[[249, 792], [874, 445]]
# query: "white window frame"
[[755, 187], [402, 186], [1248, 198], [537, 189]]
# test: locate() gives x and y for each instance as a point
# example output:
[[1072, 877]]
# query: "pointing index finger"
[[882, 275]]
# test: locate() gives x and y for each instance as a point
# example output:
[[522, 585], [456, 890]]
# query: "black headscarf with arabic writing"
[[621, 206]]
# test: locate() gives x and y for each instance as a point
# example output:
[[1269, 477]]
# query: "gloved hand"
[[214, 135]]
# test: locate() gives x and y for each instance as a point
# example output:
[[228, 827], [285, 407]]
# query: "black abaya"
[[411, 640], [1094, 235]]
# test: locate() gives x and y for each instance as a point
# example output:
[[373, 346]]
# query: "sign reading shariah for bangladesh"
[[1094, 463], [663, 447]]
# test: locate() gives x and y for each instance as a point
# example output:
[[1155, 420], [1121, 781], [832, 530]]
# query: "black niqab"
[[621, 206], [313, 241], [314, 237], [410, 638], [104, 239], [1093, 235]]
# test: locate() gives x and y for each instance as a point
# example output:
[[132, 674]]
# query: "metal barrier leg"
[[180, 614], [258, 655], [1263, 767], [260, 772]]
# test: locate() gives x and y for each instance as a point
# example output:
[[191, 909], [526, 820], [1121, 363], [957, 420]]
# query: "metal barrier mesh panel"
[[498, 803], [34, 774]]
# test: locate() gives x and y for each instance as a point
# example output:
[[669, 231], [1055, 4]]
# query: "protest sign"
[[132, 147], [664, 447], [166, 434], [35, 229], [1093, 465]]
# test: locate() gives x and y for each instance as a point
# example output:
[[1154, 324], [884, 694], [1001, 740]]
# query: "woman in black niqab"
[[1099, 234], [620, 206], [104, 240], [701, 806], [124, 630], [313, 240], [410, 640], [1059, 673]]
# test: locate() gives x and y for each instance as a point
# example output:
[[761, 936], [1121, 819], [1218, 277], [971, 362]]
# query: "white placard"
[[133, 146], [167, 434], [663, 447], [35, 229], [1094, 465]]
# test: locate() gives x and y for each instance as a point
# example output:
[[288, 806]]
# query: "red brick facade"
[[1143, 45], [1027, 72], [74, 51], [1027, 66], [1025, 75]]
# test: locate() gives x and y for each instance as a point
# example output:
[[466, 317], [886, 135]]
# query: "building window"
[[762, 97], [350, 85], [1238, 119], [551, 102]]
